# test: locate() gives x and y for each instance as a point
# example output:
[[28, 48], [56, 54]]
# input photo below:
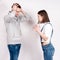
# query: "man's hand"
[[18, 11]]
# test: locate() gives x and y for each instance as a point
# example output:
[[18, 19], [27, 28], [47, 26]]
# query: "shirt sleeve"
[[26, 17], [9, 17], [47, 31]]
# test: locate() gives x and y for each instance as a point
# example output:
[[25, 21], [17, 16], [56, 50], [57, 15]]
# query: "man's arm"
[[9, 17], [26, 17]]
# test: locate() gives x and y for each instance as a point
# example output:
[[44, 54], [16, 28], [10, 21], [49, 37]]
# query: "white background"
[[31, 49]]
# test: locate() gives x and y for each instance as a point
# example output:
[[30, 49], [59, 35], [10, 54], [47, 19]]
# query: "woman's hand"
[[36, 28]]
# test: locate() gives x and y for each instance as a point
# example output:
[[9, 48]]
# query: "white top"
[[47, 30]]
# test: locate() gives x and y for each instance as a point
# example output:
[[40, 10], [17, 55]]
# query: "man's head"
[[15, 6]]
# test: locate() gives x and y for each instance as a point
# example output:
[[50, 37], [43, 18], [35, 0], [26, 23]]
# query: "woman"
[[45, 31], [14, 36]]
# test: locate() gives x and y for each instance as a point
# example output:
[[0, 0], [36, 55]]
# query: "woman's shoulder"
[[48, 25]]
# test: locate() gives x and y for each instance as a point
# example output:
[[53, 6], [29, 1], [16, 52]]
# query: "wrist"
[[39, 32]]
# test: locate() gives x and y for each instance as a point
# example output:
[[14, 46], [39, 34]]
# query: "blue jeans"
[[48, 51], [14, 51]]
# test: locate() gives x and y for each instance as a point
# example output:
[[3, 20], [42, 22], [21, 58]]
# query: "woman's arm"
[[44, 37], [37, 29]]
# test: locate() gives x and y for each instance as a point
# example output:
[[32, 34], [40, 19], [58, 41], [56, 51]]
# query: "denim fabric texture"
[[14, 51]]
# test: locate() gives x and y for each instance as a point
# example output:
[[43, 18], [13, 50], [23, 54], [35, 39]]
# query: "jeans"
[[14, 51], [48, 51]]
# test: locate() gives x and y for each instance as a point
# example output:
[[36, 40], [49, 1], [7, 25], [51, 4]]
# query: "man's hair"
[[44, 14], [16, 5]]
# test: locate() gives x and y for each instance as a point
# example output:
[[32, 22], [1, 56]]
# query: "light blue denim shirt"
[[12, 23]]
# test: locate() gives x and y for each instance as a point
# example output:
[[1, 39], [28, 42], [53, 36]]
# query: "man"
[[14, 35]]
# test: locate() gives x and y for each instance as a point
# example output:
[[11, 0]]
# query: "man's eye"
[[17, 11]]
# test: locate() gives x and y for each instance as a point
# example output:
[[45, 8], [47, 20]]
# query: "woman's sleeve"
[[48, 31]]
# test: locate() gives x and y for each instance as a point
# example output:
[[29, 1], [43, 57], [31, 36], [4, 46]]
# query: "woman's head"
[[15, 6], [43, 16]]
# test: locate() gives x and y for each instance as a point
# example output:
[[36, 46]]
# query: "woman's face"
[[40, 18]]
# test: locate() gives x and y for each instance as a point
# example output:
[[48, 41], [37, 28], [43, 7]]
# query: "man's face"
[[18, 10], [14, 8]]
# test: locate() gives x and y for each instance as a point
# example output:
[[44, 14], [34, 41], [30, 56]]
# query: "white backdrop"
[[31, 49]]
